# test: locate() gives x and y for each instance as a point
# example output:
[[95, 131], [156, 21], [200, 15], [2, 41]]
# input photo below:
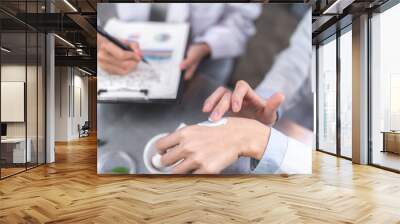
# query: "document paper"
[[163, 45]]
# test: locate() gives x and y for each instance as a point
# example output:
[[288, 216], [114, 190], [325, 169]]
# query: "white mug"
[[151, 157]]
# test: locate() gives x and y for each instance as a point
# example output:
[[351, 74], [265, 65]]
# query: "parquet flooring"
[[10, 171], [70, 191]]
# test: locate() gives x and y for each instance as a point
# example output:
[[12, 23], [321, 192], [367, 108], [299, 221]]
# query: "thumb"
[[186, 63], [189, 60], [135, 47], [274, 101]]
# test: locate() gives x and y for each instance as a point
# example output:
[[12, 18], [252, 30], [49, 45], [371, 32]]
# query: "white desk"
[[19, 149]]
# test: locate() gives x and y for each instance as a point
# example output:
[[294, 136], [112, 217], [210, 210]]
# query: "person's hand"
[[194, 55], [114, 60], [244, 101], [209, 150]]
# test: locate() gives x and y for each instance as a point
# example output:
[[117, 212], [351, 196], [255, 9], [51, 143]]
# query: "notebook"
[[163, 45]]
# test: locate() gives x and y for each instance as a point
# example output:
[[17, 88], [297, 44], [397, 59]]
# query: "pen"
[[116, 42]]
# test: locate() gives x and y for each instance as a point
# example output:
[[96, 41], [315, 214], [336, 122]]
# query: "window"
[[385, 89], [22, 77], [15, 149], [327, 96], [346, 93]]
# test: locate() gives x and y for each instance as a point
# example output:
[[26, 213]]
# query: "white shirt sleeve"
[[228, 38], [136, 11], [283, 155]]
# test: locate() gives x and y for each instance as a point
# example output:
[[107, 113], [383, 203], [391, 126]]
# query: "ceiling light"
[[337, 7], [65, 41], [5, 50], [84, 71], [70, 5]]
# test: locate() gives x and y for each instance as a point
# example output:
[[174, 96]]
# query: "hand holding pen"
[[117, 57]]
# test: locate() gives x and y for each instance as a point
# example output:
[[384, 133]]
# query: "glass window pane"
[[32, 87], [346, 94], [22, 63], [14, 152], [327, 97], [31, 97], [385, 114]]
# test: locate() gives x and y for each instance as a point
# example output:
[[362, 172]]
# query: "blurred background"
[[274, 28]]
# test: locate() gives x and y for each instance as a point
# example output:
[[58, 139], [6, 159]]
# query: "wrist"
[[256, 140], [205, 49]]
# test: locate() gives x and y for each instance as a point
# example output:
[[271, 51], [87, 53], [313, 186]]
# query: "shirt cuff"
[[273, 155], [213, 42]]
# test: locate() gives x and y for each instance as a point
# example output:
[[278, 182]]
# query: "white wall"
[[62, 80], [16, 73], [81, 100], [70, 83], [33, 126]]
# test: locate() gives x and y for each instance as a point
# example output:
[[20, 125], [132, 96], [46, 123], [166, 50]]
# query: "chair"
[[84, 130]]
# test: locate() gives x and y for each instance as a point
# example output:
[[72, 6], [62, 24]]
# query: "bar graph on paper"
[[162, 45]]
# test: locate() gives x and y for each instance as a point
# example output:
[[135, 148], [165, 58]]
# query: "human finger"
[[213, 99], [222, 107], [186, 166], [167, 142]]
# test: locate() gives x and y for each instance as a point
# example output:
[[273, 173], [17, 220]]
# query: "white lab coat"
[[225, 27]]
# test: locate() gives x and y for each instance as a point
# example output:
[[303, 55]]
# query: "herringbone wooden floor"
[[70, 191]]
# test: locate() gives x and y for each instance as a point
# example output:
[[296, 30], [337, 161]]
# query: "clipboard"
[[160, 81]]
